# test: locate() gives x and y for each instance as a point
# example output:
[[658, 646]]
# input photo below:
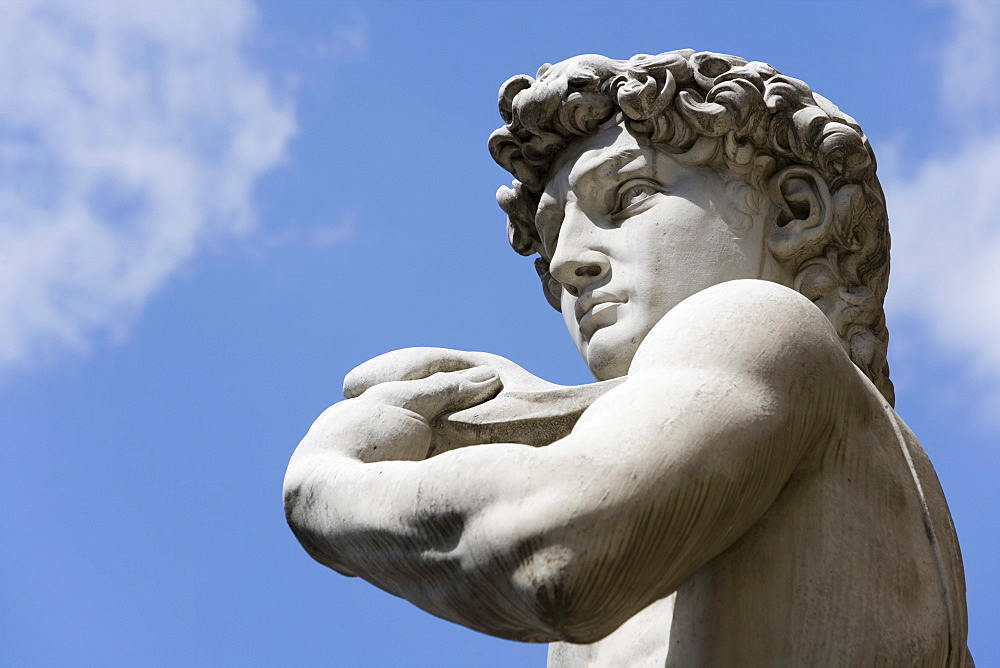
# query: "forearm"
[[567, 541], [414, 529], [562, 542], [327, 495]]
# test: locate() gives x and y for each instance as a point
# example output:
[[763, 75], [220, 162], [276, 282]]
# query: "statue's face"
[[632, 232]]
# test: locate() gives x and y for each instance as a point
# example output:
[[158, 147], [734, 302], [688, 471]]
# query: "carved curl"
[[719, 111]]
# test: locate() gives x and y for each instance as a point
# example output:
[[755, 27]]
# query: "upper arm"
[[663, 473], [565, 542]]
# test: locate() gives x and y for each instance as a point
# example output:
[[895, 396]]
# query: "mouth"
[[596, 310]]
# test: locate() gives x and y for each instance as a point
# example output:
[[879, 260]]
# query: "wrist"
[[369, 430]]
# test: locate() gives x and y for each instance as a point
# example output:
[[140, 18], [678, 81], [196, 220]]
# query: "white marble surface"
[[738, 490]]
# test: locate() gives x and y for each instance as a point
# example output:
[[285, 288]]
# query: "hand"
[[392, 420], [528, 410], [416, 363]]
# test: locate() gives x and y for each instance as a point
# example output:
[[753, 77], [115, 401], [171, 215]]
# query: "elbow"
[[561, 613], [298, 495], [565, 582], [300, 508], [305, 517], [554, 605], [294, 499], [571, 605]]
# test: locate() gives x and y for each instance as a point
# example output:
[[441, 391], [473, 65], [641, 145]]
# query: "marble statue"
[[736, 488]]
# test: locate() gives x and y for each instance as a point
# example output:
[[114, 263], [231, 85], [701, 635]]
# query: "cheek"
[[676, 258], [568, 304], [656, 269]]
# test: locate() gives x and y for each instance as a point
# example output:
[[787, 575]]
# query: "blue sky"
[[210, 212]]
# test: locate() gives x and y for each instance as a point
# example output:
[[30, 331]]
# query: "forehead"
[[593, 158], [586, 170]]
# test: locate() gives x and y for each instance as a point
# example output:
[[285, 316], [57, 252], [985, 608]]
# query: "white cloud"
[[946, 249], [131, 134], [318, 236], [945, 216], [971, 63], [347, 40], [340, 231]]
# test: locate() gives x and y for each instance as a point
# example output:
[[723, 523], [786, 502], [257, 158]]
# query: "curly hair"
[[718, 111]]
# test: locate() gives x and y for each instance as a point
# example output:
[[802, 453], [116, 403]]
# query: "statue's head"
[[641, 182]]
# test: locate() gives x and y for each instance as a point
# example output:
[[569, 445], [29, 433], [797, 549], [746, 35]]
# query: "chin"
[[610, 350], [608, 361]]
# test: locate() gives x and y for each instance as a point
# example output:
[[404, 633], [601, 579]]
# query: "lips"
[[596, 310]]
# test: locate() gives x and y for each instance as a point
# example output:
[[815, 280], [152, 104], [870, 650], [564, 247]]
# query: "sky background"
[[210, 212]]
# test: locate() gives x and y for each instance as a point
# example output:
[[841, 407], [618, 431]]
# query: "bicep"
[[656, 479], [567, 541], [723, 400]]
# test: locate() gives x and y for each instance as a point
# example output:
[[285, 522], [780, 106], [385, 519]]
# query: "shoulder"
[[745, 326]]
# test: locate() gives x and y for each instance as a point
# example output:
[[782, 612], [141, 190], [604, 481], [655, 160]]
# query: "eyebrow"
[[610, 164], [548, 216]]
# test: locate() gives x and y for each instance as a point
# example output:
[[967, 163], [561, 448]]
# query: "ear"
[[805, 216]]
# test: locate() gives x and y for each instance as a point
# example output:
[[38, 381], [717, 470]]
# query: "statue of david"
[[736, 488]]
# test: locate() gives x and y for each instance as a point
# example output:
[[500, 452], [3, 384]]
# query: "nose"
[[580, 258]]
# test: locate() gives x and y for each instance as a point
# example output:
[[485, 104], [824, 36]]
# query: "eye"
[[632, 197], [548, 220]]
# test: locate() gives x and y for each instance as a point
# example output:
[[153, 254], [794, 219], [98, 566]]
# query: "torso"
[[855, 563]]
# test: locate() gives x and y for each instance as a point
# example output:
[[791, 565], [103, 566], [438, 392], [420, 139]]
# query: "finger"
[[442, 392], [406, 364], [414, 363]]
